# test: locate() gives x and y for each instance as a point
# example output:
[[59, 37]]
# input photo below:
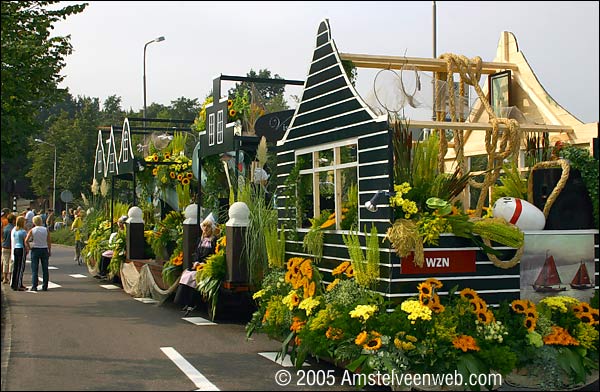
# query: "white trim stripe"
[[191, 372]]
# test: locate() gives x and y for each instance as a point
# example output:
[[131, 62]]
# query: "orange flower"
[[266, 316], [306, 269], [561, 337], [297, 325], [309, 290], [297, 341], [586, 317], [331, 285], [328, 223], [334, 333], [465, 343]]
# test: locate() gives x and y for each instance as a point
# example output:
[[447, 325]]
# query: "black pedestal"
[[191, 235], [135, 241], [237, 266]]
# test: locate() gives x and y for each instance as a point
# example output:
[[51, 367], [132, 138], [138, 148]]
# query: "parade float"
[[417, 255]]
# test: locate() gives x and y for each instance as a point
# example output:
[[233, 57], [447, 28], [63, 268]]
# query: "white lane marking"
[[78, 276], [147, 300], [191, 372], [285, 362], [50, 284], [51, 267], [198, 321], [109, 286]]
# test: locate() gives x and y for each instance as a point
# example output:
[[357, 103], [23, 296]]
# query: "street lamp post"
[[159, 39], [54, 177]]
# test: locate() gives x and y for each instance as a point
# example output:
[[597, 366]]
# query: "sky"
[[206, 39]]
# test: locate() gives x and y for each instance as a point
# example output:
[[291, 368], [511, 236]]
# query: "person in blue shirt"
[[20, 250]]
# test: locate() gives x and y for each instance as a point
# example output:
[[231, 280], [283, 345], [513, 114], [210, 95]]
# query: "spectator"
[[7, 258], [108, 254], [186, 294], [77, 227], [20, 249], [50, 220], [29, 214], [39, 240]]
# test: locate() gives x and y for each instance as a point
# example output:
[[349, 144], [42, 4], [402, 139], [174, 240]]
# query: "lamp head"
[[161, 38], [371, 205], [38, 140]]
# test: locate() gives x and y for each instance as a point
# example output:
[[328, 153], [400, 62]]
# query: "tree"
[[30, 73], [184, 108], [266, 91]]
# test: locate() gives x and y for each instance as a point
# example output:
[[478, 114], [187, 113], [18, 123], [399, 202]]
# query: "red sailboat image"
[[548, 280], [581, 280]]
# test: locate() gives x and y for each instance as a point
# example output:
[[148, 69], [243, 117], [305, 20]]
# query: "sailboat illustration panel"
[[558, 263]]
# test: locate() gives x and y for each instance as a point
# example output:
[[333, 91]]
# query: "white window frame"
[[220, 127], [336, 167], [211, 129]]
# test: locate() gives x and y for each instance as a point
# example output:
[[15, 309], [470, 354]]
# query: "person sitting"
[[108, 254], [186, 294]]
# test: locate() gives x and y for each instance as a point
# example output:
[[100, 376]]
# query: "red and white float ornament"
[[520, 213]]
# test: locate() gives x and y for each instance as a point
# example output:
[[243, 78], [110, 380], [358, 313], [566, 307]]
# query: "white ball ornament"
[[520, 213]]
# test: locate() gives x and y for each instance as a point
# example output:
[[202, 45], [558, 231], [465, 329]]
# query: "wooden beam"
[[485, 126], [424, 64]]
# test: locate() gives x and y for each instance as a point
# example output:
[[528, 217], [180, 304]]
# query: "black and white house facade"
[[342, 149]]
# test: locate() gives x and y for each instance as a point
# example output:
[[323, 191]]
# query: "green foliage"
[[366, 267], [62, 236], [581, 159], [32, 61], [350, 70], [166, 234], [512, 184], [275, 245], [262, 218], [313, 240], [210, 277]]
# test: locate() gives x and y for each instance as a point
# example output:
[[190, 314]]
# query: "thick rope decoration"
[[499, 145], [566, 169]]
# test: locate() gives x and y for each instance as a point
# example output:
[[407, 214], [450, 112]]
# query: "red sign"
[[441, 262]]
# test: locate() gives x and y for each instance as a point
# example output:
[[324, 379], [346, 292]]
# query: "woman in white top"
[[41, 247]]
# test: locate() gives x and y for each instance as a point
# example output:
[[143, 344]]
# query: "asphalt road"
[[81, 336]]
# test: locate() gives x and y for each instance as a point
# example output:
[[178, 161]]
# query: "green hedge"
[[63, 236]]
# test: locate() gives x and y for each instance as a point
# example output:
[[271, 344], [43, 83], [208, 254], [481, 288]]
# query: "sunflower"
[[530, 323], [229, 103], [519, 305], [189, 175], [155, 171], [468, 293], [478, 305], [586, 317], [331, 285], [425, 288], [288, 276], [349, 272], [435, 283], [585, 307], [179, 177], [172, 174], [185, 181], [232, 112], [309, 289], [340, 268], [306, 269], [373, 344], [167, 155], [594, 314], [424, 299], [437, 308], [155, 158], [531, 312], [485, 317], [361, 338]]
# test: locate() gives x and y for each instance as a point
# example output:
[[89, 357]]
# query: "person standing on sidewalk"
[[41, 248], [76, 226], [7, 257], [20, 249]]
